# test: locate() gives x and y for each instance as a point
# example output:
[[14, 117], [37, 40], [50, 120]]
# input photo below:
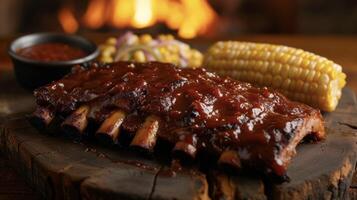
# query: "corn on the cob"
[[164, 48], [300, 75]]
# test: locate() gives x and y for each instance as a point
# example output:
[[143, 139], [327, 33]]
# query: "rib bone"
[[146, 136], [230, 158], [186, 147], [109, 130], [77, 121], [42, 116]]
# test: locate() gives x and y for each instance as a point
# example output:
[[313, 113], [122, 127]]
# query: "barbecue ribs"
[[194, 110]]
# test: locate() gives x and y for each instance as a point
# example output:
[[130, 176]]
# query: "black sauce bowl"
[[33, 73]]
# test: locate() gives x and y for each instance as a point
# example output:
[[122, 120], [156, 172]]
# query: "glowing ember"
[[67, 20]]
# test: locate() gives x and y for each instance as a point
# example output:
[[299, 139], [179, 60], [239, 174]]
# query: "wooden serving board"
[[59, 168]]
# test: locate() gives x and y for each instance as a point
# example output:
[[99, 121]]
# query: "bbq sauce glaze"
[[51, 52], [198, 107]]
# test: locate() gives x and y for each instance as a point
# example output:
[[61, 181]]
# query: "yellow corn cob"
[[300, 75]]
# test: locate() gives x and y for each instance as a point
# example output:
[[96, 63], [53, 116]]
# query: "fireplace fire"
[[189, 18], [67, 20]]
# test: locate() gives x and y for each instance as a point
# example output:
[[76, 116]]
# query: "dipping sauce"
[[49, 52]]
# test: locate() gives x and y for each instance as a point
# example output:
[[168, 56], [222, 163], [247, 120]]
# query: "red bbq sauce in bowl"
[[50, 52], [41, 58]]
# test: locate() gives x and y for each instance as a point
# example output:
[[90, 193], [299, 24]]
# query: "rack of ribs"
[[196, 111]]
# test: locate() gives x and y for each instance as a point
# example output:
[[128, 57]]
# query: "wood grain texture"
[[13, 99], [13, 186], [242, 186], [321, 171], [181, 186], [62, 169], [335, 158]]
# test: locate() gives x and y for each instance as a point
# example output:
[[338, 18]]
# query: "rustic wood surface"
[[60, 168], [15, 100], [12, 186]]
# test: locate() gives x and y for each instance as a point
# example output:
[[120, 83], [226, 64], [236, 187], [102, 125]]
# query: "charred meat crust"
[[195, 110]]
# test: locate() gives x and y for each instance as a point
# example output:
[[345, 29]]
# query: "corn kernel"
[[268, 80], [299, 85], [298, 73], [106, 59], [111, 41], [298, 61], [196, 54], [285, 58], [310, 76], [317, 76], [259, 78], [161, 37], [264, 67], [306, 87], [169, 37], [254, 54], [313, 88], [298, 52], [305, 63], [324, 79], [254, 64], [277, 69], [312, 65], [265, 55], [285, 71], [125, 57], [286, 84], [145, 39], [139, 56], [304, 74], [322, 88], [277, 81], [108, 51], [293, 60]]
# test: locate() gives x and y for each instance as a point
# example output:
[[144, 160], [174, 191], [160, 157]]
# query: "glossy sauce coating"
[[195, 106], [51, 52]]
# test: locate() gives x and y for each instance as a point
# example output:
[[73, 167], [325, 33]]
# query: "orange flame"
[[95, 15], [199, 15], [143, 16], [120, 13], [189, 17], [67, 20]]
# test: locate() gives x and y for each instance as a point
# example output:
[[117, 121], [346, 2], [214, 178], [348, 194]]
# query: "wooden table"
[[340, 49]]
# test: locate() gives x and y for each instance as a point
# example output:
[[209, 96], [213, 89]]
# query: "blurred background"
[[185, 18]]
